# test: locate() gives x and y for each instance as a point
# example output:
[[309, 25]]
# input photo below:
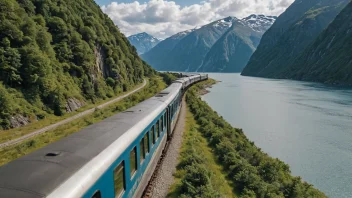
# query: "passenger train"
[[113, 158]]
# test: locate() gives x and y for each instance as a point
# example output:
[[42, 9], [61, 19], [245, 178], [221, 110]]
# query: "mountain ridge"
[[188, 52], [292, 32], [329, 58]]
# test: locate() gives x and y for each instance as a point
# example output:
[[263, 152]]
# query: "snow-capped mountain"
[[223, 24], [224, 45], [260, 23], [143, 42]]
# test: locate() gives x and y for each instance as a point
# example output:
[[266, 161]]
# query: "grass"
[[7, 135], [193, 140], [10, 153]]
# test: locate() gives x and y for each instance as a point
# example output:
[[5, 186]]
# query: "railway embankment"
[[247, 170]]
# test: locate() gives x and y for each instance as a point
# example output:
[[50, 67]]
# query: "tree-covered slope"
[[294, 30], [329, 58], [56, 55]]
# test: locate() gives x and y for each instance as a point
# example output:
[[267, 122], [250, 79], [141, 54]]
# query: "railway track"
[[65, 121], [148, 192]]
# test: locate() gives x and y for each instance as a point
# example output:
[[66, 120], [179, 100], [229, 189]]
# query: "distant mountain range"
[[222, 46], [143, 42], [298, 45]]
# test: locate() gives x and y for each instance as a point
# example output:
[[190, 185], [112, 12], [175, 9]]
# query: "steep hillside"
[[293, 31], [329, 58], [58, 55], [143, 42], [233, 50], [159, 54]]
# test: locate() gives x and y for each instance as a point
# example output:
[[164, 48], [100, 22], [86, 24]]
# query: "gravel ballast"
[[165, 178]]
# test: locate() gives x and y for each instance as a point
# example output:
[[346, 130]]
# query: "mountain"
[[292, 32], [329, 58], [260, 23], [159, 54], [189, 48], [143, 42], [233, 50], [210, 47], [56, 56]]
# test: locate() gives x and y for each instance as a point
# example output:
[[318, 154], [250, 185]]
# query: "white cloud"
[[165, 18]]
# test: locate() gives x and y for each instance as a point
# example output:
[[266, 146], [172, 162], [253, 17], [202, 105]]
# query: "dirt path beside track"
[[65, 121]]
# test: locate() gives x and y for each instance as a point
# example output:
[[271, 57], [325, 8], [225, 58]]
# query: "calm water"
[[307, 125]]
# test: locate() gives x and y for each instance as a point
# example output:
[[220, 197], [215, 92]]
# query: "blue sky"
[[163, 18], [180, 2]]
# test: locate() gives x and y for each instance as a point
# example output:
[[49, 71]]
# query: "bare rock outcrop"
[[99, 60], [18, 121], [73, 104]]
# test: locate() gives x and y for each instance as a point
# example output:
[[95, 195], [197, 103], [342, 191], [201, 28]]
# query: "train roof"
[[60, 161]]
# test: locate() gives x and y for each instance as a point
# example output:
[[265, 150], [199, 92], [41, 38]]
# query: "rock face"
[[292, 32], [18, 121], [143, 42], [73, 104], [99, 60], [329, 58], [212, 47]]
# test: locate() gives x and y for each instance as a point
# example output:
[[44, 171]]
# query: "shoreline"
[[245, 163]]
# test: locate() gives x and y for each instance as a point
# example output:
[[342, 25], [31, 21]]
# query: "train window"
[[162, 122], [158, 129], [152, 134], [146, 143], [97, 194], [119, 179], [133, 161], [142, 150]]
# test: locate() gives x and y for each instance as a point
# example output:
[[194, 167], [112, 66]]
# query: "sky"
[[163, 18]]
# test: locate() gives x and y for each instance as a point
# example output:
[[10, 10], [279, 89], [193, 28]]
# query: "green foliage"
[[198, 174], [253, 173], [54, 50], [168, 77]]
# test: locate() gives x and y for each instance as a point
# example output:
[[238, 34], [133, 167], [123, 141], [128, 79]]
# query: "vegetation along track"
[[65, 121]]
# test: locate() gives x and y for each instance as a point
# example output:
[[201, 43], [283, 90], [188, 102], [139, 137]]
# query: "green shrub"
[[253, 173]]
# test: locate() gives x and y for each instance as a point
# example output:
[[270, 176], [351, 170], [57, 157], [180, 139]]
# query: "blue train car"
[[112, 158]]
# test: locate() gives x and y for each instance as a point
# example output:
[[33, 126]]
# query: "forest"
[[56, 51]]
